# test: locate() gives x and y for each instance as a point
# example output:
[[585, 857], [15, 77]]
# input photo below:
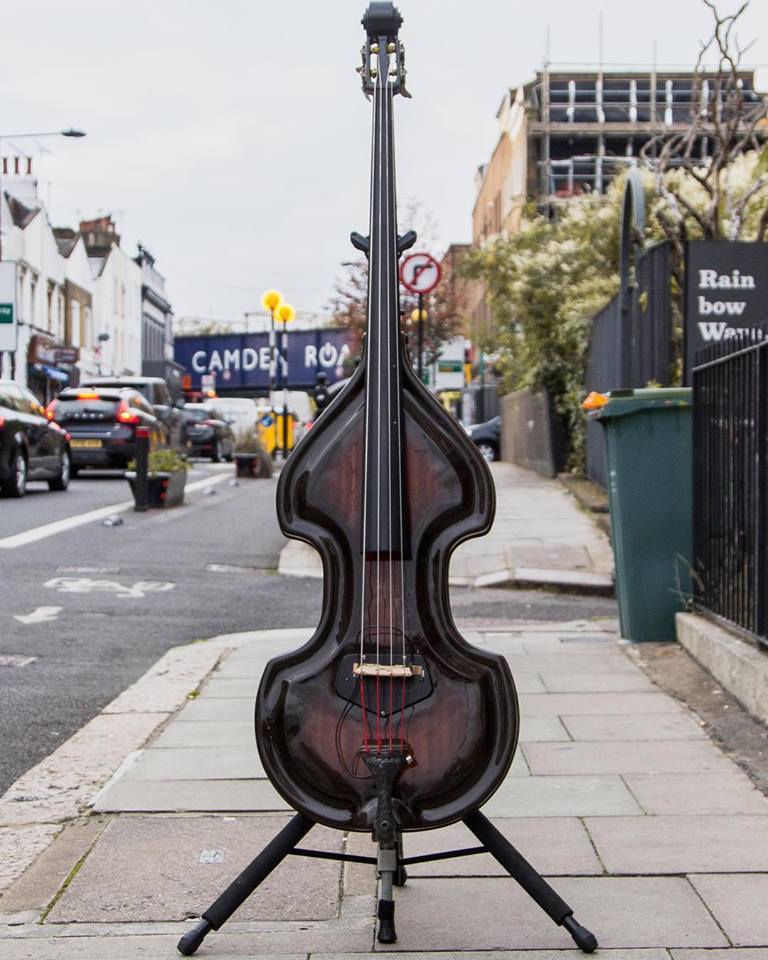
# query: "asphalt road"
[[128, 593]]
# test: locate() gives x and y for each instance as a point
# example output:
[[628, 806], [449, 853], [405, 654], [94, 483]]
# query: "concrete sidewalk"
[[540, 537], [656, 838]]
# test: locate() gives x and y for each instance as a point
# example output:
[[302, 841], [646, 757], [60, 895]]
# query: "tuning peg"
[[374, 73], [374, 48], [391, 48]]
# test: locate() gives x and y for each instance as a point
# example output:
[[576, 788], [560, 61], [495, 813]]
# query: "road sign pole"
[[420, 340]]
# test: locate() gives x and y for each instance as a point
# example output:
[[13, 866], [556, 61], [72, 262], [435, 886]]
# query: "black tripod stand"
[[391, 867]]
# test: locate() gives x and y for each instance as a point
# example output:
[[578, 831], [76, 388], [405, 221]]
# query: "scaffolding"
[[589, 125]]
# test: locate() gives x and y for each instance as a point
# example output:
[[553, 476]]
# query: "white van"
[[241, 411]]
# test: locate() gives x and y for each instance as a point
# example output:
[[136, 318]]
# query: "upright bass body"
[[384, 486]]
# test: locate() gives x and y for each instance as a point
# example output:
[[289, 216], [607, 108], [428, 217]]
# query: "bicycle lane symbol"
[[138, 591]]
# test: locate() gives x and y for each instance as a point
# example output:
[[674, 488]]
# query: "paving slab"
[[19, 846], [190, 763], [557, 846], [212, 709], [494, 914], [291, 941], [542, 730], [739, 904], [237, 687], [576, 796], [674, 794], [529, 683], [168, 868], [587, 682], [148, 796], [201, 733], [682, 844], [250, 668], [38, 885], [682, 756], [669, 726], [570, 704], [735, 953], [381, 954], [564, 661]]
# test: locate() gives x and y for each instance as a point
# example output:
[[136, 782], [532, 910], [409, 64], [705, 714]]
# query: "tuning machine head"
[[382, 52]]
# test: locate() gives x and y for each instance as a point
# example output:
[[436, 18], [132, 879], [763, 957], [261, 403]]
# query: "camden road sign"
[[726, 293], [241, 361]]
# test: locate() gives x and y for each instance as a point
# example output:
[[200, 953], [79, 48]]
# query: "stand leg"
[[244, 885], [533, 884], [401, 874], [387, 868]]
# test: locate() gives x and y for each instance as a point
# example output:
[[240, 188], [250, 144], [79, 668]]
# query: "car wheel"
[[61, 480], [488, 451], [216, 455], [16, 484], [231, 455]]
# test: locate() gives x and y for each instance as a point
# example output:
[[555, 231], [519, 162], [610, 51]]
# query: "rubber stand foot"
[[583, 938], [387, 922], [192, 940]]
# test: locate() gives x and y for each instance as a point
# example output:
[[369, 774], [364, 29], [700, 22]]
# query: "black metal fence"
[[730, 456], [631, 343]]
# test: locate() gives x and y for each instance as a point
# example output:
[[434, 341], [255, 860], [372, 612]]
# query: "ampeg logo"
[[726, 293]]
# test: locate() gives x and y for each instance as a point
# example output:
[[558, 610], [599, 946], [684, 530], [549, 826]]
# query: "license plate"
[[83, 444]]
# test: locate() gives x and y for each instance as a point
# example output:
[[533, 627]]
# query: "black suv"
[[155, 390], [31, 448], [102, 422]]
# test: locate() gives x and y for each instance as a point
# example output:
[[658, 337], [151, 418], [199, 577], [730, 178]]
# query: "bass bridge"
[[383, 688]]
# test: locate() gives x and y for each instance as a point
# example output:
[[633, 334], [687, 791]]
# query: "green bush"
[[164, 461]]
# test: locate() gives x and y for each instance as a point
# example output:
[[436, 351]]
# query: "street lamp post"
[[286, 313], [71, 132], [271, 300]]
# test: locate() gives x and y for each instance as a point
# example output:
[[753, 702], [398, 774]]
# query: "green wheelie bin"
[[648, 440]]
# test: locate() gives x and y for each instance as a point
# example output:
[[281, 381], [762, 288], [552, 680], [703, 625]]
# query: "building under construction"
[[566, 133]]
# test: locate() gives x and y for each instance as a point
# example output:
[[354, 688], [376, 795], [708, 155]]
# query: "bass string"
[[363, 603], [379, 358], [402, 725]]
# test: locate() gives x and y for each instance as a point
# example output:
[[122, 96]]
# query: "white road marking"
[[41, 615], [86, 585], [69, 523], [15, 660]]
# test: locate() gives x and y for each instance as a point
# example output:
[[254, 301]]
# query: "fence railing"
[[631, 343], [730, 456]]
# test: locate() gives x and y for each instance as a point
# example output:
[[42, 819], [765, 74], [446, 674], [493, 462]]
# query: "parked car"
[[487, 437], [102, 423], [241, 413], [208, 434], [155, 390], [31, 447]]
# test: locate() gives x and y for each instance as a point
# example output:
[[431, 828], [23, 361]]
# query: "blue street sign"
[[245, 357]]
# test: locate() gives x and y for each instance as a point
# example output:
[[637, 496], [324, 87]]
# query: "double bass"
[[387, 720]]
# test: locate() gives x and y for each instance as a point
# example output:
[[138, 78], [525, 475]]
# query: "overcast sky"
[[232, 138]]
